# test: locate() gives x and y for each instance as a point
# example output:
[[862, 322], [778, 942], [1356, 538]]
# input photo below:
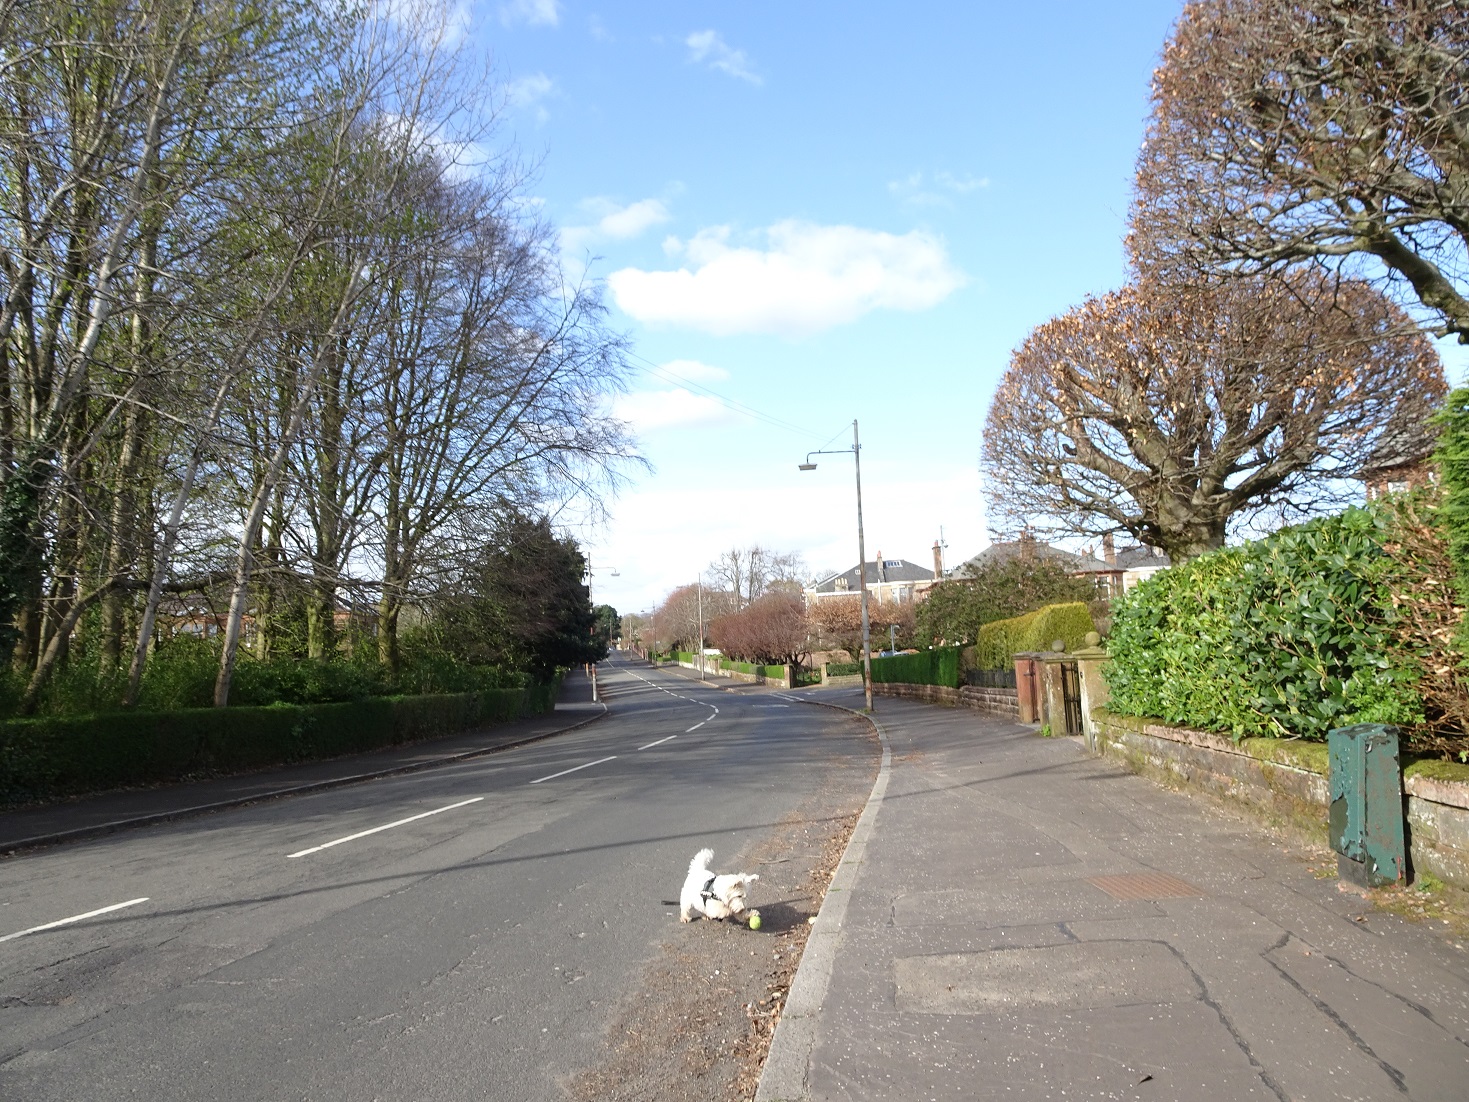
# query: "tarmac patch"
[[1072, 976]]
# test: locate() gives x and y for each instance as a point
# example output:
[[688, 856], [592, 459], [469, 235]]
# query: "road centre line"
[[660, 742], [573, 769], [385, 826], [74, 918], [696, 726]]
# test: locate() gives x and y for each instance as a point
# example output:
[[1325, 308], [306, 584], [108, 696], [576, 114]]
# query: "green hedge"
[[1285, 637], [773, 673], [843, 669], [54, 756], [939, 666], [731, 664], [999, 641]]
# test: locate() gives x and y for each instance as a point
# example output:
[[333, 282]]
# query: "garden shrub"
[[939, 666], [843, 669], [1000, 640], [1287, 636]]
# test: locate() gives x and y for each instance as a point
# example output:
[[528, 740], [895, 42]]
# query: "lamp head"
[[806, 466]]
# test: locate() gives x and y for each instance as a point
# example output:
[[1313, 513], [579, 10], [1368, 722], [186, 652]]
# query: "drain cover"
[[1145, 885]]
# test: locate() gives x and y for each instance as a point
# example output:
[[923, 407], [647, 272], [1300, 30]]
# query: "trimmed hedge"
[[54, 756], [939, 666], [1285, 637], [843, 669], [998, 642], [731, 664]]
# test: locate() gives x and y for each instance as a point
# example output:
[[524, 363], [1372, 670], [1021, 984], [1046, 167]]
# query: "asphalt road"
[[464, 932]]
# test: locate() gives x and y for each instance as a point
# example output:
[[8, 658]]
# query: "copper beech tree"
[[1314, 131], [771, 630], [1166, 412]]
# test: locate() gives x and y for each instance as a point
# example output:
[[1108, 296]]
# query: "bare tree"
[[1316, 130], [675, 623], [746, 573], [122, 131], [1166, 412]]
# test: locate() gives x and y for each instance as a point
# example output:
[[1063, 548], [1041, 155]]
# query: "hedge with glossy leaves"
[[1283, 637]]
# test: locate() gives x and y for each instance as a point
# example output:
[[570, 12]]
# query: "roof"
[[879, 572], [1128, 558], [1401, 445], [997, 553]]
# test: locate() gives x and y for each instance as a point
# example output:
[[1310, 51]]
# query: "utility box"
[[1365, 824]]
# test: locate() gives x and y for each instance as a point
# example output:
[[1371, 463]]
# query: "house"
[[887, 580], [1401, 461], [1117, 571]]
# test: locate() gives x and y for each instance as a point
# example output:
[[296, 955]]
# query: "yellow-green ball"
[[754, 920]]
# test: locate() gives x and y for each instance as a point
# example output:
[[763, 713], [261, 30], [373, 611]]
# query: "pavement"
[[91, 816], [1016, 919]]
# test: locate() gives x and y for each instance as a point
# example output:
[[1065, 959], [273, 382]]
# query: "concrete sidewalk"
[[1017, 920], [89, 816]]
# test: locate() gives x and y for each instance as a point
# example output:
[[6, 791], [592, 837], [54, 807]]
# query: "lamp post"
[[856, 450], [700, 582]]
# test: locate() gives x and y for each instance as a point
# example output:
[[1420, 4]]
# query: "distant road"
[[463, 932]]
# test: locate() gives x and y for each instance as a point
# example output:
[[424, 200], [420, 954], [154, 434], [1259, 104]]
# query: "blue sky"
[[821, 211]]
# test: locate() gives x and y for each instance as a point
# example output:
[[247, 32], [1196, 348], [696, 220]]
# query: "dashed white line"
[[696, 726], [385, 826], [573, 769], [660, 742], [74, 918]]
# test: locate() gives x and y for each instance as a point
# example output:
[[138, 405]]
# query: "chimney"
[[881, 573], [1109, 549], [938, 561]]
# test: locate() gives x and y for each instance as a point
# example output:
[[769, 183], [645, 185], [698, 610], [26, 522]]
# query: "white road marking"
[[660, 742], [74, 918], [696, 726], [385, 826], [772, 705], [573, 769]]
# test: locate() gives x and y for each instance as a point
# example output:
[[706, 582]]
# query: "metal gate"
[[1071, 697]]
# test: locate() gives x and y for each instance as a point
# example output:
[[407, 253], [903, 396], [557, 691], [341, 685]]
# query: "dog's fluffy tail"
[[701, 860]]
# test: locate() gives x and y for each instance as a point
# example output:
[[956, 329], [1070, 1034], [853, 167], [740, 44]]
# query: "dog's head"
[[730, 889]]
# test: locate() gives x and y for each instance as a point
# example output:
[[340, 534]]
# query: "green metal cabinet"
[[1365, 823]]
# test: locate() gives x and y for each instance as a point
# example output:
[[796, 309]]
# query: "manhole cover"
[[1145, 885]]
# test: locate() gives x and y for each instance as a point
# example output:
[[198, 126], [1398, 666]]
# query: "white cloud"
[[810, 278], [915, 190], [709, 46], [535, 13], [650, 410], [614, 222], [694, 371], [528, 90]]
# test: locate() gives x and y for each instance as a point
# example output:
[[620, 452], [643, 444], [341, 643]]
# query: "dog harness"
[[706, 893]]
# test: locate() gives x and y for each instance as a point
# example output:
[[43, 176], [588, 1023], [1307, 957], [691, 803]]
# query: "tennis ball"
[[754, 920]]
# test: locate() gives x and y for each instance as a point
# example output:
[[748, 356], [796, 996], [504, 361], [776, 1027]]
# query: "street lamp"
[[856, 450]]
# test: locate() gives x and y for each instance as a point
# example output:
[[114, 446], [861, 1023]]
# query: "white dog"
[[713, 896]]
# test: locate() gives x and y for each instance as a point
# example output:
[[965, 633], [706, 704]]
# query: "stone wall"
[[1288, 779], [995, 701]]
